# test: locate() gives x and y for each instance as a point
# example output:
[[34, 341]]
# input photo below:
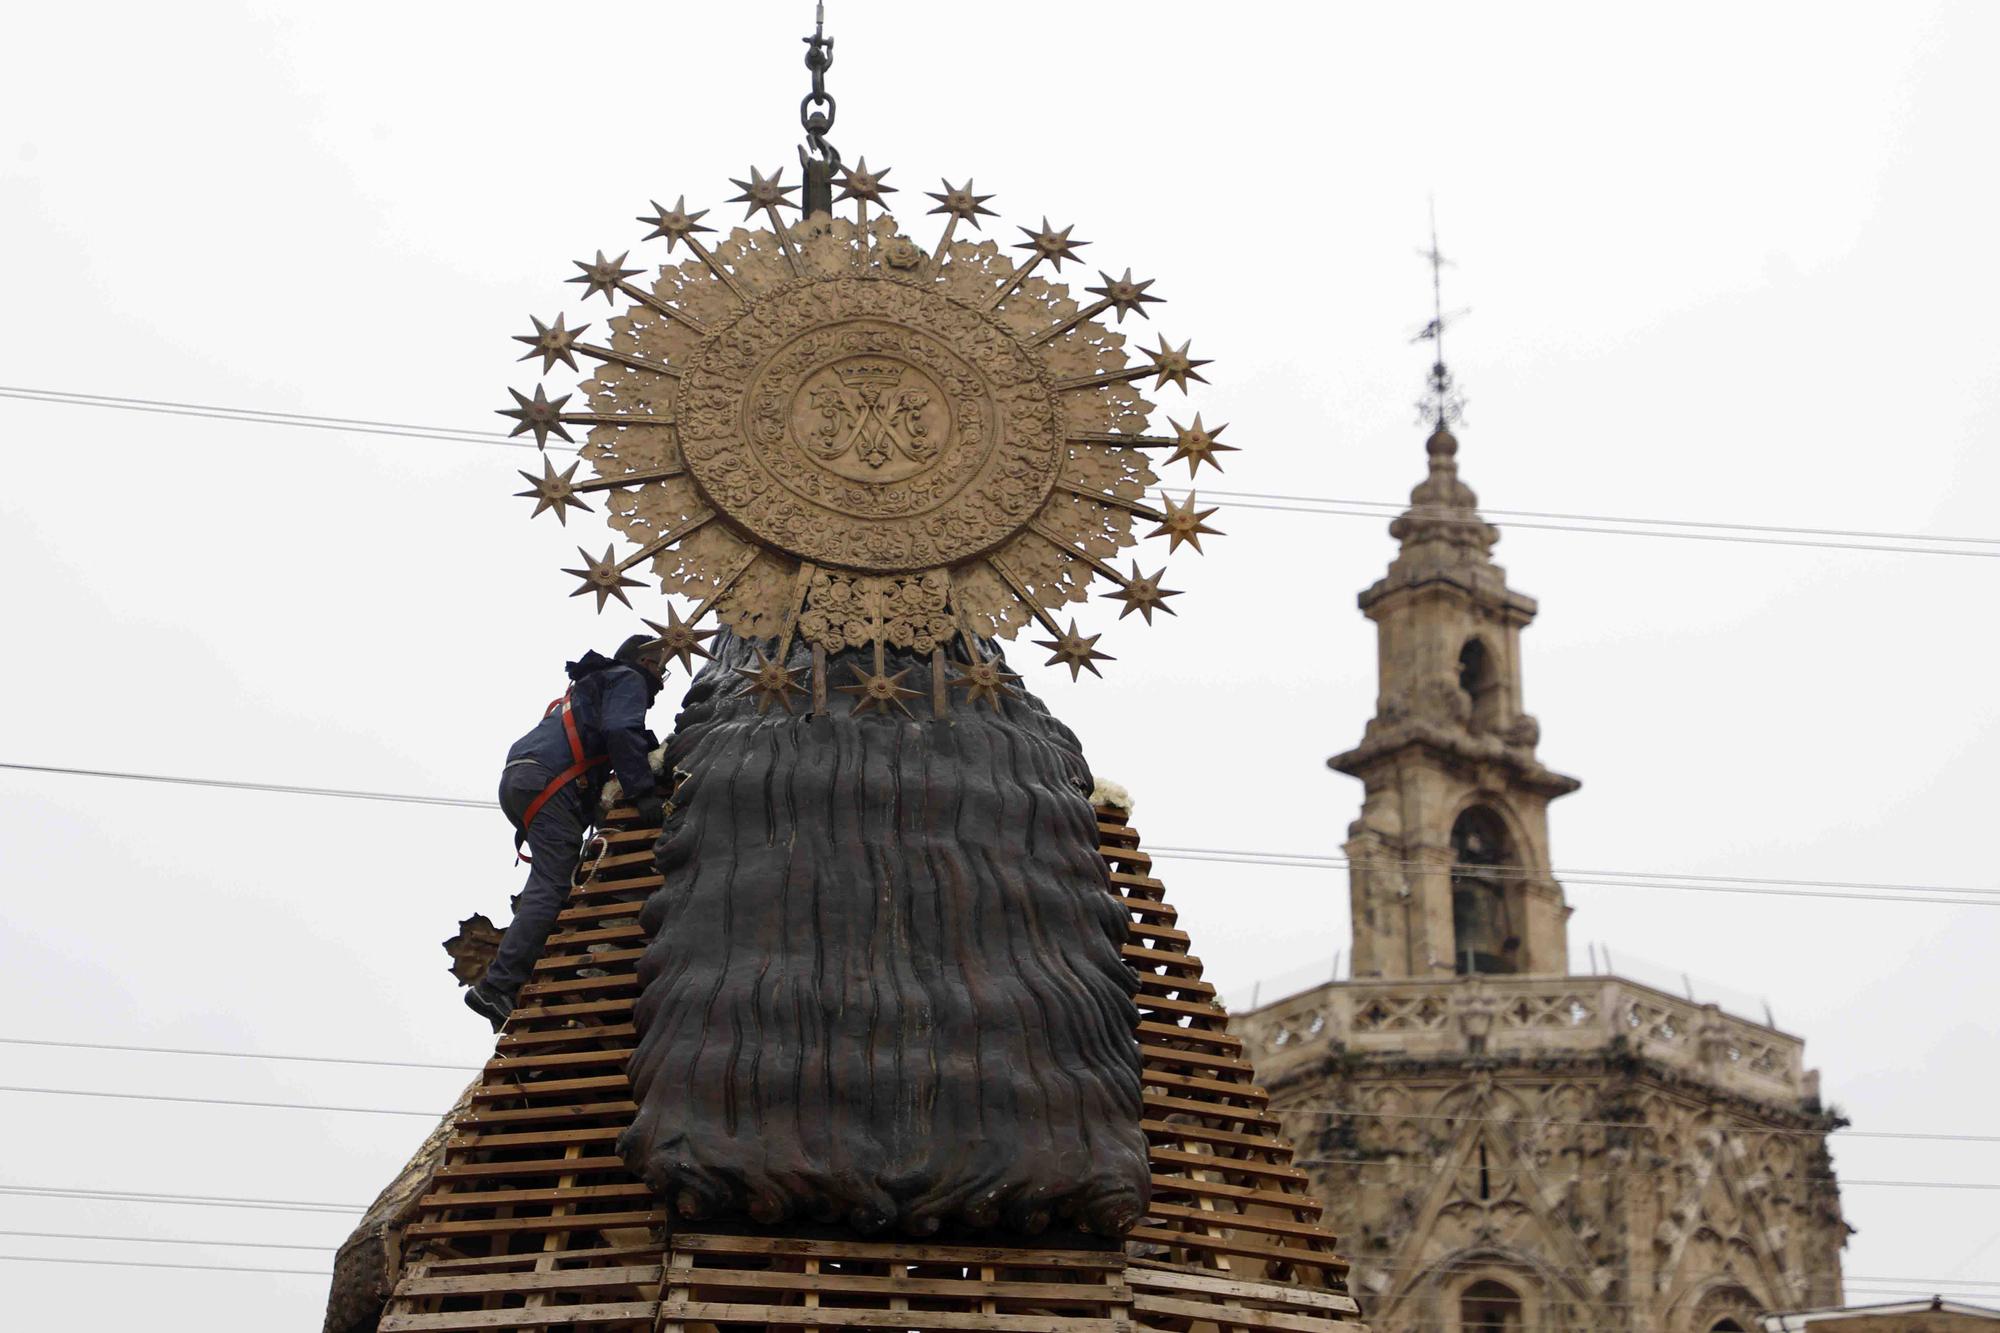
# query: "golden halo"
[[821, 428]]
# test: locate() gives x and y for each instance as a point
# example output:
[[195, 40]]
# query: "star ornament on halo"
[[858, 182], [676, 223], [874, 690], [986, 680], [1075, 651], [1184, 523], [554, 490], [1197, 444], [761, 193], [1125, 294], [1050, 244], [1173, 365], [1143, 593], [603, 577], [678, 638], [961, 203], [771, 681], [539, 414], [551, 342], [603, 275]]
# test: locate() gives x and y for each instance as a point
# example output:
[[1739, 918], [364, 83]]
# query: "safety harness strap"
[[579, 765]]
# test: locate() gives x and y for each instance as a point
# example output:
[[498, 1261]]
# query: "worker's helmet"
[[637, 647]]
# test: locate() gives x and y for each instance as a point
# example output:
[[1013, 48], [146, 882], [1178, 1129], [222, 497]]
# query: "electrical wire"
[[220, 1101], [144, 1263], [180, 1200], [1602, 524], [1889, 892], [187, 1240], [234, 1055], [1331, 1113]]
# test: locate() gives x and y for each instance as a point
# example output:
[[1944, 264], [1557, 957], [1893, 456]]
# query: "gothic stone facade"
[[1508, 1147]]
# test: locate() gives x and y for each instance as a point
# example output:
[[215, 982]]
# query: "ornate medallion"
[[821, 428]]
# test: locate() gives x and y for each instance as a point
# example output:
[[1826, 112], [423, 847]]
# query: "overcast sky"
[[1725, 262]]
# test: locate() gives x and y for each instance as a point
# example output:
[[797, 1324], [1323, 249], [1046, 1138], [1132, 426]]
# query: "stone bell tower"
[[1450, 855], [1515, 1148]]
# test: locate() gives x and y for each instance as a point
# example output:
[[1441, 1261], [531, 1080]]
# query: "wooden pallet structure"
[[534, 1222]]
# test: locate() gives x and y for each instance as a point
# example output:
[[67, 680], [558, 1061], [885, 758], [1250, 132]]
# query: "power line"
[[1334, 1113], [185, 1240], [263, 417], [1602, 524], [234, 1055], [1624, 879], [143, 1263], [1392, 507], [181, 1200], [1606, 531], [1889, 892], [280, 788], [222, 1101], [1318, 859]]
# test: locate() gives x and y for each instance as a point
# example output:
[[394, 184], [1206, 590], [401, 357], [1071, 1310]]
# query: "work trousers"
[[555, 840]]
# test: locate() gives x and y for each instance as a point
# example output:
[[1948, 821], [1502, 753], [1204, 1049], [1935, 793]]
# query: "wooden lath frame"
[[533, 1221]]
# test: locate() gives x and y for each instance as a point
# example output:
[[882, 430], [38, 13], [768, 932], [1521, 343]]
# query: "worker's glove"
[[652, 810]]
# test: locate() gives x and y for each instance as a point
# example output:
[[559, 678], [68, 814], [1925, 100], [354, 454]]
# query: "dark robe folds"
[[883, 988]]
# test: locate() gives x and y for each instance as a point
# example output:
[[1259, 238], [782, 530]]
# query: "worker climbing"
[[550, 788]]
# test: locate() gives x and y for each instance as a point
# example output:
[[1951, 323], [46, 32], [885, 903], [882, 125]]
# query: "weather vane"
[[1441, 404], [817, 429]]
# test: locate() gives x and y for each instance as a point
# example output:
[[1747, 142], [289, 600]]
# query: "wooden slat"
[[577, 1316], [875, 1251], [560, 1279], [799, 1316]]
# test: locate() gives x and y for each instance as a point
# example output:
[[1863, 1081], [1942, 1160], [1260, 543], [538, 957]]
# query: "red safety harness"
[[578, 766]]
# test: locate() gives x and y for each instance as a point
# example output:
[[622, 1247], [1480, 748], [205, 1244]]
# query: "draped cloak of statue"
[[883, 986]]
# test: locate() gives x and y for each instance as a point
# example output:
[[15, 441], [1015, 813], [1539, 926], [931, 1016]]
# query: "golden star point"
[[961, 203], [986, 680], [602, 275], [761, 193], [679, 638], [553, 490], [1197, 444], [1173, 365], [1143, 593], [858, 182], [1050, 244], [878, 691], [603, 577], [551, 342], [771, 681], [1125, 294], [538, 414], [676, 223], [1184, 523], [1075, 651]]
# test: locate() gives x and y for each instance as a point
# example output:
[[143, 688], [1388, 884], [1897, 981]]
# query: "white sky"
[[1727, 263]]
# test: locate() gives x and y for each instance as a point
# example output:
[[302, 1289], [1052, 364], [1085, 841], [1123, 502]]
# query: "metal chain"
[[816, 109]]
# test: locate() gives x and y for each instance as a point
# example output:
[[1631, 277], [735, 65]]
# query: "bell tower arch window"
[[1483, 895], [1479, 679]]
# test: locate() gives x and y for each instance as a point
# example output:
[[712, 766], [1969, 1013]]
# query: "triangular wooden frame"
[[533, 1221]]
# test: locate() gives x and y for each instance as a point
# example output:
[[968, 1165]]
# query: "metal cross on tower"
[[1441, 404]]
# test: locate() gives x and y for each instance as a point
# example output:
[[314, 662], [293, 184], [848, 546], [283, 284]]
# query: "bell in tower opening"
[[1482, 936]]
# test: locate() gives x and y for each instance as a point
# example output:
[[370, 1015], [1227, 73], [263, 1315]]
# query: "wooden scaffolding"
[[534, 1222]]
